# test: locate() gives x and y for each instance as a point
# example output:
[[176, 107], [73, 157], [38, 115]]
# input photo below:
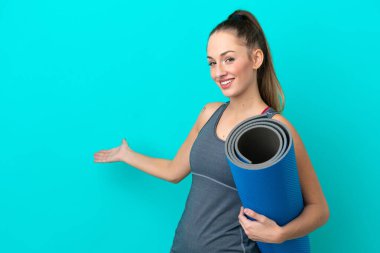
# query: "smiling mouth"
[[226, 84]]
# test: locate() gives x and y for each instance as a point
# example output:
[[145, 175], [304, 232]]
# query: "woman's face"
[[230, 66]]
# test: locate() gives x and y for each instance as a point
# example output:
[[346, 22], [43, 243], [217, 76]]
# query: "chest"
[[208, 158], [224, 126]]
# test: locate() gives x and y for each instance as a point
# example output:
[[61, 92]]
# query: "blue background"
[[78, 76]]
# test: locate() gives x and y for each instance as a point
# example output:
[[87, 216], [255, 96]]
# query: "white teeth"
[[226, 82]]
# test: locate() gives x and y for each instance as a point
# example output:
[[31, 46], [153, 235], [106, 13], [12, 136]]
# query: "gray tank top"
[[210, 222]]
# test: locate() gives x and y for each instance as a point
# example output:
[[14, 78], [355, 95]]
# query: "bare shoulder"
[[282, 119], [207, 111]]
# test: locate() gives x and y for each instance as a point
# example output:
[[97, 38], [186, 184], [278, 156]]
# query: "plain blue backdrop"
[[78, 76]]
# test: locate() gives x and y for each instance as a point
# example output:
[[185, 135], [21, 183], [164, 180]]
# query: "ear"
[[257, 57]]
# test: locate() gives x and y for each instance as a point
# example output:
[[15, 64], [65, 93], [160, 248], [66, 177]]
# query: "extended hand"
[[117, 154], [262, 230]]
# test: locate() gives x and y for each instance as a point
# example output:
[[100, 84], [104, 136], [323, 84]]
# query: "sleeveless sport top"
[[209, 223]]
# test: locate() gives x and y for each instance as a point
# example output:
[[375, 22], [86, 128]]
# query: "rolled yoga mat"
[[260, 153]]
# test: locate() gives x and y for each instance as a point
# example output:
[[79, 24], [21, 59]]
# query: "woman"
[[213, 220]]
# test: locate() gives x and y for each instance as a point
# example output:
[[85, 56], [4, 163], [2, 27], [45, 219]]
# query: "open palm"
[[116, 154]]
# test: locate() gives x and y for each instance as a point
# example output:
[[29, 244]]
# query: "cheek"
[[241, 68], [244, 73], [213, 73]]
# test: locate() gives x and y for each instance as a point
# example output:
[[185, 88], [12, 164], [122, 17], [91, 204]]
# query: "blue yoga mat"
[[260, 153]]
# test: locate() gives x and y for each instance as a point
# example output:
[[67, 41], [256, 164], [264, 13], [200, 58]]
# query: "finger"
[[242, 225], [107, 150], [248, 232], [243, 219], [256, 216], [250, 235], [100, 161], [241, 213], [100, 156], [103, 160], [104, 151]]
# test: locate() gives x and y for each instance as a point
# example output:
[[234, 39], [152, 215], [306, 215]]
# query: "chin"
[[228, 93]]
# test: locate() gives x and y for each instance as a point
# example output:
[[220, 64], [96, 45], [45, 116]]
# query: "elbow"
[[175, 180], [321, 214], [326, 214]]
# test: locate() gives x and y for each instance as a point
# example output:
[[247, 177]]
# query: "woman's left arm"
[[315, 212]]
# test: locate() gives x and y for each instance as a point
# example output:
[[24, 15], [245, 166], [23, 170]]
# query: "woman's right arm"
[[170, 170]]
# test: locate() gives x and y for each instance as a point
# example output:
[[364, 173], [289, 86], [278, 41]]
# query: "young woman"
[[213, 219]]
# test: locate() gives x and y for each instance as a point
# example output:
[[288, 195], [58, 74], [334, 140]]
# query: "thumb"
[[256, 216], [124, 143]]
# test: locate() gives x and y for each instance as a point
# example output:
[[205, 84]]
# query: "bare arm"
[[157, 167], [316, 211], [170, 170], [177, 169]]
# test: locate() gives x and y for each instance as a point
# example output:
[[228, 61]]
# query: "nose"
[[220, 71]]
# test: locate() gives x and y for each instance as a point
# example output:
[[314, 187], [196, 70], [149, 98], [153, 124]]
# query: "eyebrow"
[[221, 54]]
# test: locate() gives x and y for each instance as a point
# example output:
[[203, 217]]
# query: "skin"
[[245, 101]]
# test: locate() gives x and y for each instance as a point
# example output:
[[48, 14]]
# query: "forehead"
[[222, 41]]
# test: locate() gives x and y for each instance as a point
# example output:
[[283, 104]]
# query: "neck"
[[247, 103]]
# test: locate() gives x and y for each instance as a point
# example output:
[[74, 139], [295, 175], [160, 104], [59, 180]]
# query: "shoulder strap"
[[271, 112]]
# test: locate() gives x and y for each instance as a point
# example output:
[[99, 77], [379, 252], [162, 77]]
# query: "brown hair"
[[246, 26]]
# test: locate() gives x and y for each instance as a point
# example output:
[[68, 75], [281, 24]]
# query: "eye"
[[210, 63], [230, 59]]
